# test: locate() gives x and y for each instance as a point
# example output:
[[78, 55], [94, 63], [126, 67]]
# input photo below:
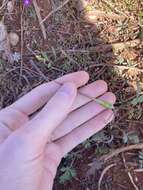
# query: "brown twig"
[[103, 174], [4, 3], [135, 121], [102, 48], [120, 150], [68, 57], [37, 10], [54, 11], [132, 181], [22, 41], [94, 15], [39, 71], [121, 67], [138, 170], [129, 173], [123, 45]]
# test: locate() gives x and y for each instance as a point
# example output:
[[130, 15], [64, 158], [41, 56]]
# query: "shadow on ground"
[[83, 37]]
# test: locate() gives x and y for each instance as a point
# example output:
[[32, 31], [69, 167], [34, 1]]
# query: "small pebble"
[[13, 38]]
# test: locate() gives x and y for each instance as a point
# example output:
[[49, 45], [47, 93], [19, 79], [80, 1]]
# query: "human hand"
[[31, 148]]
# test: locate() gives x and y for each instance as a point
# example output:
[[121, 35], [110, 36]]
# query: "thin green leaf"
[[137, 100], [104, 104], [99, 137]]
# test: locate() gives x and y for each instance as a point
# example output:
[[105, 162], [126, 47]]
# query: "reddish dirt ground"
[[110, 47]]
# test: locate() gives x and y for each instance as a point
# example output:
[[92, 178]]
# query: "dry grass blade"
[[122, 45], [39, 71], [103, 103], [103, 47], [120, 150], [113, 8], [117, 46], [37, 10], [132, 181], [54, 11], [103, 174], [129, 173], [3, 4], [93, 16], [22, 39]]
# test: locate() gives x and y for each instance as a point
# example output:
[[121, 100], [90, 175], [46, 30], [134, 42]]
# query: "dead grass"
[[73, 44]]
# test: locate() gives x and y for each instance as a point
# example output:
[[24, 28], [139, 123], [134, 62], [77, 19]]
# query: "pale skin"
[[31, 147]]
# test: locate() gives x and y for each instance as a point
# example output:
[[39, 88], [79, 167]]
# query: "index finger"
[[39, 96]]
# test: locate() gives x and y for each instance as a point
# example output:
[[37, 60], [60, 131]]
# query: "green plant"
[[2, 61], [137, 100], [42, 57], [31, 13], [87, 144], [140, 156], [139, 96], [68, 173], [141, 16], [99, 137], [131, 137], [129, 5]]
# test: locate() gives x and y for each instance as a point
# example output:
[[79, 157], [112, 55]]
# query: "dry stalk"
[[103, 174], [37, 10]]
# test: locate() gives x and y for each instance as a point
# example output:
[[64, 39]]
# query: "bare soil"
[[104, 38]]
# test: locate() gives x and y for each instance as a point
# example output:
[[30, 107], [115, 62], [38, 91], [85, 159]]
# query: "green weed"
[[68, 173], [131, 137]]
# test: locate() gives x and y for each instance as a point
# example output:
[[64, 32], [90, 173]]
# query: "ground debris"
[[6, 41], [5, 51]]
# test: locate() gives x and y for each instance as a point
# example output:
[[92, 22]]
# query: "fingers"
[[16, 115], [78, 135], [4, 132], [12, 118], [92, 90], [35, 99], [41, 127], [82, 115], [86, 93]]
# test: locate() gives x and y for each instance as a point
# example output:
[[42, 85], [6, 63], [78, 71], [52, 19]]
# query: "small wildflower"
[[16, 56], [27, 2]]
